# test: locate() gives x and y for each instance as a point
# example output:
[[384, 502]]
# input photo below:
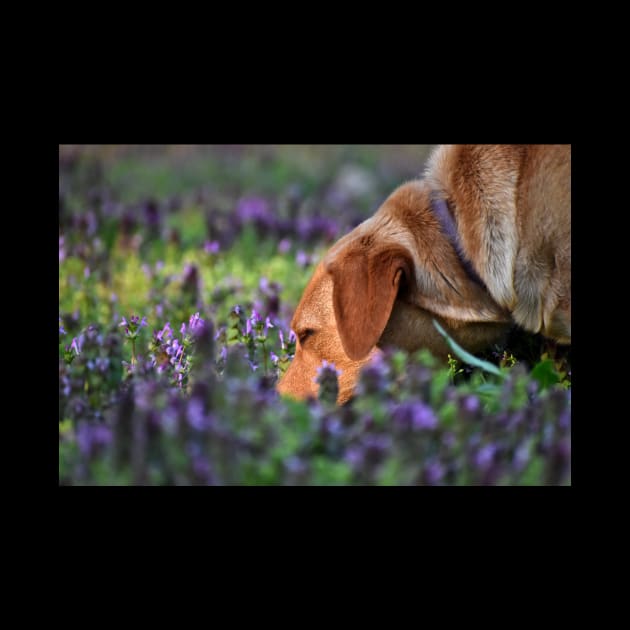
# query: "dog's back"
[[513, 208]]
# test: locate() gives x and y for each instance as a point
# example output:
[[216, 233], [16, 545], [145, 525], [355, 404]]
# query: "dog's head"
[[383, 284]]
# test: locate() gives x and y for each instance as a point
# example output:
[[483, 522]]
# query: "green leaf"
[[545, 373], [466, 356]]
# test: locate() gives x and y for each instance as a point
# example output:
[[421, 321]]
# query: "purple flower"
[[373, 379], [75, 346], [471, 404], [433, 472], [268, 325], [195, 414], [254, 209], [284, 246], [423, 417], [62, 330], [294, 465], [165, 331], [195, 322], [449, 440], [123, 322], [274, 357], [485, 456], [376, 447], [65, 380], [302, 259], [212, 247], [414, 415], [521, 456], [92, 437], [326, 366], [354, 456]]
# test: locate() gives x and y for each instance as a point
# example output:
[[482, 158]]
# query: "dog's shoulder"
[[479, 182]]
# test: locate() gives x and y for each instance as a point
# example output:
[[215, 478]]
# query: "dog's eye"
[[305, 334]]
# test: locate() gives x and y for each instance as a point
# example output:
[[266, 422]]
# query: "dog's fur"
[[384, 282]]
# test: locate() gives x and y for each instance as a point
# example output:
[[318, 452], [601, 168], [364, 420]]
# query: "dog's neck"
[[443, 214]]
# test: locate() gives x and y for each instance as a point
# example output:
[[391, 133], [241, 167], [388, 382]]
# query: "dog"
[[481, 242]]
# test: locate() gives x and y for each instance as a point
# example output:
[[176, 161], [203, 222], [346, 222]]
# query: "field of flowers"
[[179, 270]]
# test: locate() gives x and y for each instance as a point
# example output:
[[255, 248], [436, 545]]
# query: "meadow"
[[179, 270]]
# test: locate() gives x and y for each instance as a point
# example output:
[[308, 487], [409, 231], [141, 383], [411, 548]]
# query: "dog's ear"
[[365, 285]]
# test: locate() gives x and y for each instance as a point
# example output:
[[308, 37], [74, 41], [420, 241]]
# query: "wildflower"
[[91, 438], [75, 346], [376, 447], [255, 210], [423, 417], [354, 456], [327, 379], [287, 346], [151, 213], [373, 379], [195, 322], [471, 404], [302, 259], [195, 414], [414, 415], [62, 330], [521, 456], [284, 246], [485, 456], [326, 366], [295, 465], [212, 247], [166, 331], [433, 472], [102, 363]]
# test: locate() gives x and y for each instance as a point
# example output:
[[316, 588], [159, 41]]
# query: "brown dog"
[[483, 241]]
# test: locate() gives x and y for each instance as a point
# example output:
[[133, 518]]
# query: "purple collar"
[[444, 216]]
